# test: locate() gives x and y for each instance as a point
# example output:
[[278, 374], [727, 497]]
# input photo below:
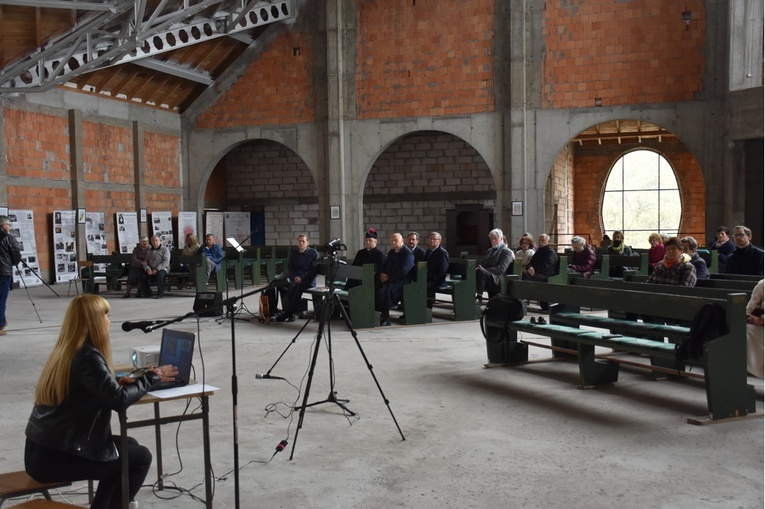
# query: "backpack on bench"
[[708, 323], [502, 308]]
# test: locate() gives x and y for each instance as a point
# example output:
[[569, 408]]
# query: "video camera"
[[333, 246]]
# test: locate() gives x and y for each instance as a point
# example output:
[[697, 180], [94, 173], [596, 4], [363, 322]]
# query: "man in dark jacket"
[[746, 259], [437, 259], [10, 256], [544, 262], [370, 254], [301, 275], [489, 274], [396, 272]]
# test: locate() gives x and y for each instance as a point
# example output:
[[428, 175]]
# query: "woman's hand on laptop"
[[166, 373]]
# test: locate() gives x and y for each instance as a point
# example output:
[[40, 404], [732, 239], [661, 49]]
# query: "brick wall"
[[418, 178], [268, 176], [107, 153], [38, 150], [162, 160], [37, 145], [594, 164], [277, 88], [424, 57], [632, 52]]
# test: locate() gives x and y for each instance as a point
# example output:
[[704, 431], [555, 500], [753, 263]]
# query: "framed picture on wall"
[[143, 215], [334, 212], [517, 208], [80, 216]]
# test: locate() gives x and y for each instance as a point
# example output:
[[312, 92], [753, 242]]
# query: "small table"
[[193, 390]]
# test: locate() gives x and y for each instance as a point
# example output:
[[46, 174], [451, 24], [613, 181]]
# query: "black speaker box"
[[208, 304]]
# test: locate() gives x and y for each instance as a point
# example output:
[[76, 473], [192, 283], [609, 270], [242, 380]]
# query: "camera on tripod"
[[333, 246]]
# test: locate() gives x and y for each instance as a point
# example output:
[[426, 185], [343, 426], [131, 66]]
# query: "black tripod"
[[329, 301], [24, 283], [33, 271]]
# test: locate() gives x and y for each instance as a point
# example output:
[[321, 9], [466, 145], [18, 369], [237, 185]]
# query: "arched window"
[[641, 197]]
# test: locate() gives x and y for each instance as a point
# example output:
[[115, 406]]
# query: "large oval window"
[[641, 197]]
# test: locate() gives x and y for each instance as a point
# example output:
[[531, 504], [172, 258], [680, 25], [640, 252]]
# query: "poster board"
[[187, 223], [23, 228], [214, 225], [95, 229], [162, 225], [237, 225], [127, 231], [64, 245]]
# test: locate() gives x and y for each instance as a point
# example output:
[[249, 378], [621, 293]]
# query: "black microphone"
[[146, 326]]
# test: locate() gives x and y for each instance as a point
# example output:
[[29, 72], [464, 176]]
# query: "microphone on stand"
[[145, 325]]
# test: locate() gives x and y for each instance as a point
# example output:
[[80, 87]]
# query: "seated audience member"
[[214, 254], [746, 259], [68, 435], [369, 254], [605, 242], [489, 274], [437, 259], [526, 251], [136, 273], [723, 245], [301, 272], [689, 248], [396, 272], [157, 264], [583, 258], [190, 248], [754, 332], [544, 263], [413, 241], [675, 268], [618, 247], [656, 251]]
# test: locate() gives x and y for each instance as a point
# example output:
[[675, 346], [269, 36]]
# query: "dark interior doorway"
[[467, 229]]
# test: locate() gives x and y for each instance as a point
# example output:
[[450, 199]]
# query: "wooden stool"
[[18, 484], [39, 503]]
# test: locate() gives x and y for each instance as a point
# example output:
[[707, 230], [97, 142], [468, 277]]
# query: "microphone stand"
[[230, 304], [238, 246]]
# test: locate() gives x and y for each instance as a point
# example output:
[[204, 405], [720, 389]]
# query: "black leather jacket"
[[9, 253], [81, 424]]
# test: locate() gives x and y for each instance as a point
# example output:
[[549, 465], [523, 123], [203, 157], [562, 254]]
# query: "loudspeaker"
[[208, 304]]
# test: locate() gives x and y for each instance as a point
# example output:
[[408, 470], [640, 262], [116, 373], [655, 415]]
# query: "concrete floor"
[[475, 437]]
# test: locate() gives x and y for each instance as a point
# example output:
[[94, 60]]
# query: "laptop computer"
[[177, 349]]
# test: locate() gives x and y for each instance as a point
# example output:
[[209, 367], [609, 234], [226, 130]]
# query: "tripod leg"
[[29, 294], [366, 361]]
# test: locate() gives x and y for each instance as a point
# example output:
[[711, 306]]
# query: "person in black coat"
[[302, 267], [69, 436], [746, 259], [437, 259], [489, 274], [370, 254], [10, 256], [689, 247], [396, 272], [544, 262]]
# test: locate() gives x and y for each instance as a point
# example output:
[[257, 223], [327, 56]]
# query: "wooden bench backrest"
[[733, 285], [697, 291], [651, 303]]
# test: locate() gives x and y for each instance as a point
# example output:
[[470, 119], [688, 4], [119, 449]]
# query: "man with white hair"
[[582, 258], [488, 275]]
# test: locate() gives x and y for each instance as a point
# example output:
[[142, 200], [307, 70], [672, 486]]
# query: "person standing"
[[302, 267], [437, 259], [10, 256], [396, 272], [69, 436]]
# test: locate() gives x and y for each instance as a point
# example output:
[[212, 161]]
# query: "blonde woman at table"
[[69, 436]]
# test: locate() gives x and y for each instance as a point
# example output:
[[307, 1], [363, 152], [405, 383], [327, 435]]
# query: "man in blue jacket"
[[213, 252]]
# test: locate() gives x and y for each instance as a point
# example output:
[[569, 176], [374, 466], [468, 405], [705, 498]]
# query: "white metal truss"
[[125, 32]]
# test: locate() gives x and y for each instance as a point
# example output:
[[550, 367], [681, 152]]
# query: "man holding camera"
[[10, 256], [300, 276]]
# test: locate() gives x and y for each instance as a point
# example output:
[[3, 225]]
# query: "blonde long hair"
[[83, 323]]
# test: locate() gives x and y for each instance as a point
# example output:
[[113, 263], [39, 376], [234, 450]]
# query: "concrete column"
[[138, 178], [76, 171]]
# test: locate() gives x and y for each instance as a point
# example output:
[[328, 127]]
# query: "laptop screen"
[[177, 348]]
